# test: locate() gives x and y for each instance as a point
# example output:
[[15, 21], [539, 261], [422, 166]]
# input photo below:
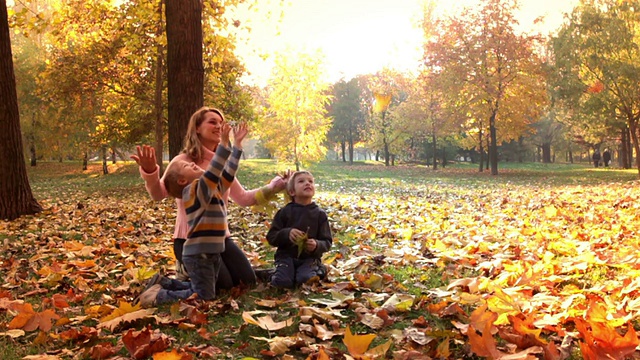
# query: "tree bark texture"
[[185, 70], [16, 198]]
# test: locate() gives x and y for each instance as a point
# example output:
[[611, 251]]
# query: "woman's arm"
[[258, 196], [145, 157], [154, 186]]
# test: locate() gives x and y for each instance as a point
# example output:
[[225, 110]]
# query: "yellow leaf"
[[550, 211]]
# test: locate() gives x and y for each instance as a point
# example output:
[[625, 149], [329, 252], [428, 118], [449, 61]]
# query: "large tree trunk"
[[16, 198], [185, 70], [343, 148], [159, 140]]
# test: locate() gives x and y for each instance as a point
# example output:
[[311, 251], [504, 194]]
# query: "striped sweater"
[[205, 207]]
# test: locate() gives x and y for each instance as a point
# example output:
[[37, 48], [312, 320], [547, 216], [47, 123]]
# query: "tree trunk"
[[521, 149], [113, 155], [105, 169], [343, 148], [16, 198], [435, 150], [384, 141], [350, 147], [493, 147], [633, 128], [158, 109], [481, 151], [85, 161], [546, 153], [444, 157], [185, 70], [32, 141]]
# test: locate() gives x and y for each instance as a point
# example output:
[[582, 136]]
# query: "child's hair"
[[171, 180], [291, 183]]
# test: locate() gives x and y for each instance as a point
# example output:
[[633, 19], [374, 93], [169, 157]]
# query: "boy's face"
[[189, 171], [303, 187]]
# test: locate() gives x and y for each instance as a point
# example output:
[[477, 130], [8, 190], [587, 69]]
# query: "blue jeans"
[[235, 268], [291, 272], [203, 270]]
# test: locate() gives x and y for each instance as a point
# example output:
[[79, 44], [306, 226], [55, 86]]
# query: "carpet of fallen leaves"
[[425, 265]]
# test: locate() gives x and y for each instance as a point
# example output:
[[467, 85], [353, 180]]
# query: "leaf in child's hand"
[[301, 241]]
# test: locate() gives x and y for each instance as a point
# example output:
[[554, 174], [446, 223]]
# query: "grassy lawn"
[[417, 253]]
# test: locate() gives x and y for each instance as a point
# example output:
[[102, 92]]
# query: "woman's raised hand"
[[145, 158]]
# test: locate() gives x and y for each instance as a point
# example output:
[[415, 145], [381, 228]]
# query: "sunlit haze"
[[360, 36]]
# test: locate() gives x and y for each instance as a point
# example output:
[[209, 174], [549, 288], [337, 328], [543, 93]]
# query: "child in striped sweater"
[[201, 191]]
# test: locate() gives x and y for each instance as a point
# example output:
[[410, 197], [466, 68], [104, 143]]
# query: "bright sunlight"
[[358, 36]]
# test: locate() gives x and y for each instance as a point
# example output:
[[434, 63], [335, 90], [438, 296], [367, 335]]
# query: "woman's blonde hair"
[[192, 144]]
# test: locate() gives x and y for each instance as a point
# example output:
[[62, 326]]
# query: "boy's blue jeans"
[[291, 272], [203, 270]]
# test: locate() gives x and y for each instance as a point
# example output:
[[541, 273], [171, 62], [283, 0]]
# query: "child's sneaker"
[[148, 298], [264, 275]]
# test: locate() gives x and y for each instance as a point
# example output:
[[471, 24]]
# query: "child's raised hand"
[[240, 131], [146, 158], [224, 134]]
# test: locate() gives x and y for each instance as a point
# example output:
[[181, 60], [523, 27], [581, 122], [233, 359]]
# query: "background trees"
[[295, 125], [596, 52], [495, 69], [95, 76]]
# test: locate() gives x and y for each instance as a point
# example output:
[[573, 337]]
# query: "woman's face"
[[210, 128]]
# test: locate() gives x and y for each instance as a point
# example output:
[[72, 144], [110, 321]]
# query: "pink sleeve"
[[240, 196], [154, 186]]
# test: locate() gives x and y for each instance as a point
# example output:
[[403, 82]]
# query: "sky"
[[357, 36]]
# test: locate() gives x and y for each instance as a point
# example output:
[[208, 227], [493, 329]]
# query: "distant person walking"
[[606, 157], [596, 158]]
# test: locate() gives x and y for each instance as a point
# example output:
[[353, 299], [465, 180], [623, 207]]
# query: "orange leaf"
[[322, 355], [602, 341], [596, 87], [172, 355], [60, 301], [485, 344], [357, 344], [102, 351]]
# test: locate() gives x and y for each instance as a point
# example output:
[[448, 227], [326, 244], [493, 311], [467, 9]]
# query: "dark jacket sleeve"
[[324, 238], [278, 235]]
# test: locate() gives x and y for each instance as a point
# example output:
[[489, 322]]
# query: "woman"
[[201, 140]]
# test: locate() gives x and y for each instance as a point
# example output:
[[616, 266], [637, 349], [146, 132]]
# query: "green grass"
[[65, 186]]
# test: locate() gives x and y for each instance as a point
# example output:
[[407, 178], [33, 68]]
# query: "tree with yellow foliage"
[[294, 124]]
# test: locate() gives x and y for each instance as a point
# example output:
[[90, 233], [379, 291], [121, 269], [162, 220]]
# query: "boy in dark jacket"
[[302, 234]]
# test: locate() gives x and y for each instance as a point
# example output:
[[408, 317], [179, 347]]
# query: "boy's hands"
[[311, 245], [239, 132], [296, 234], [224, 134], [146, 158]]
